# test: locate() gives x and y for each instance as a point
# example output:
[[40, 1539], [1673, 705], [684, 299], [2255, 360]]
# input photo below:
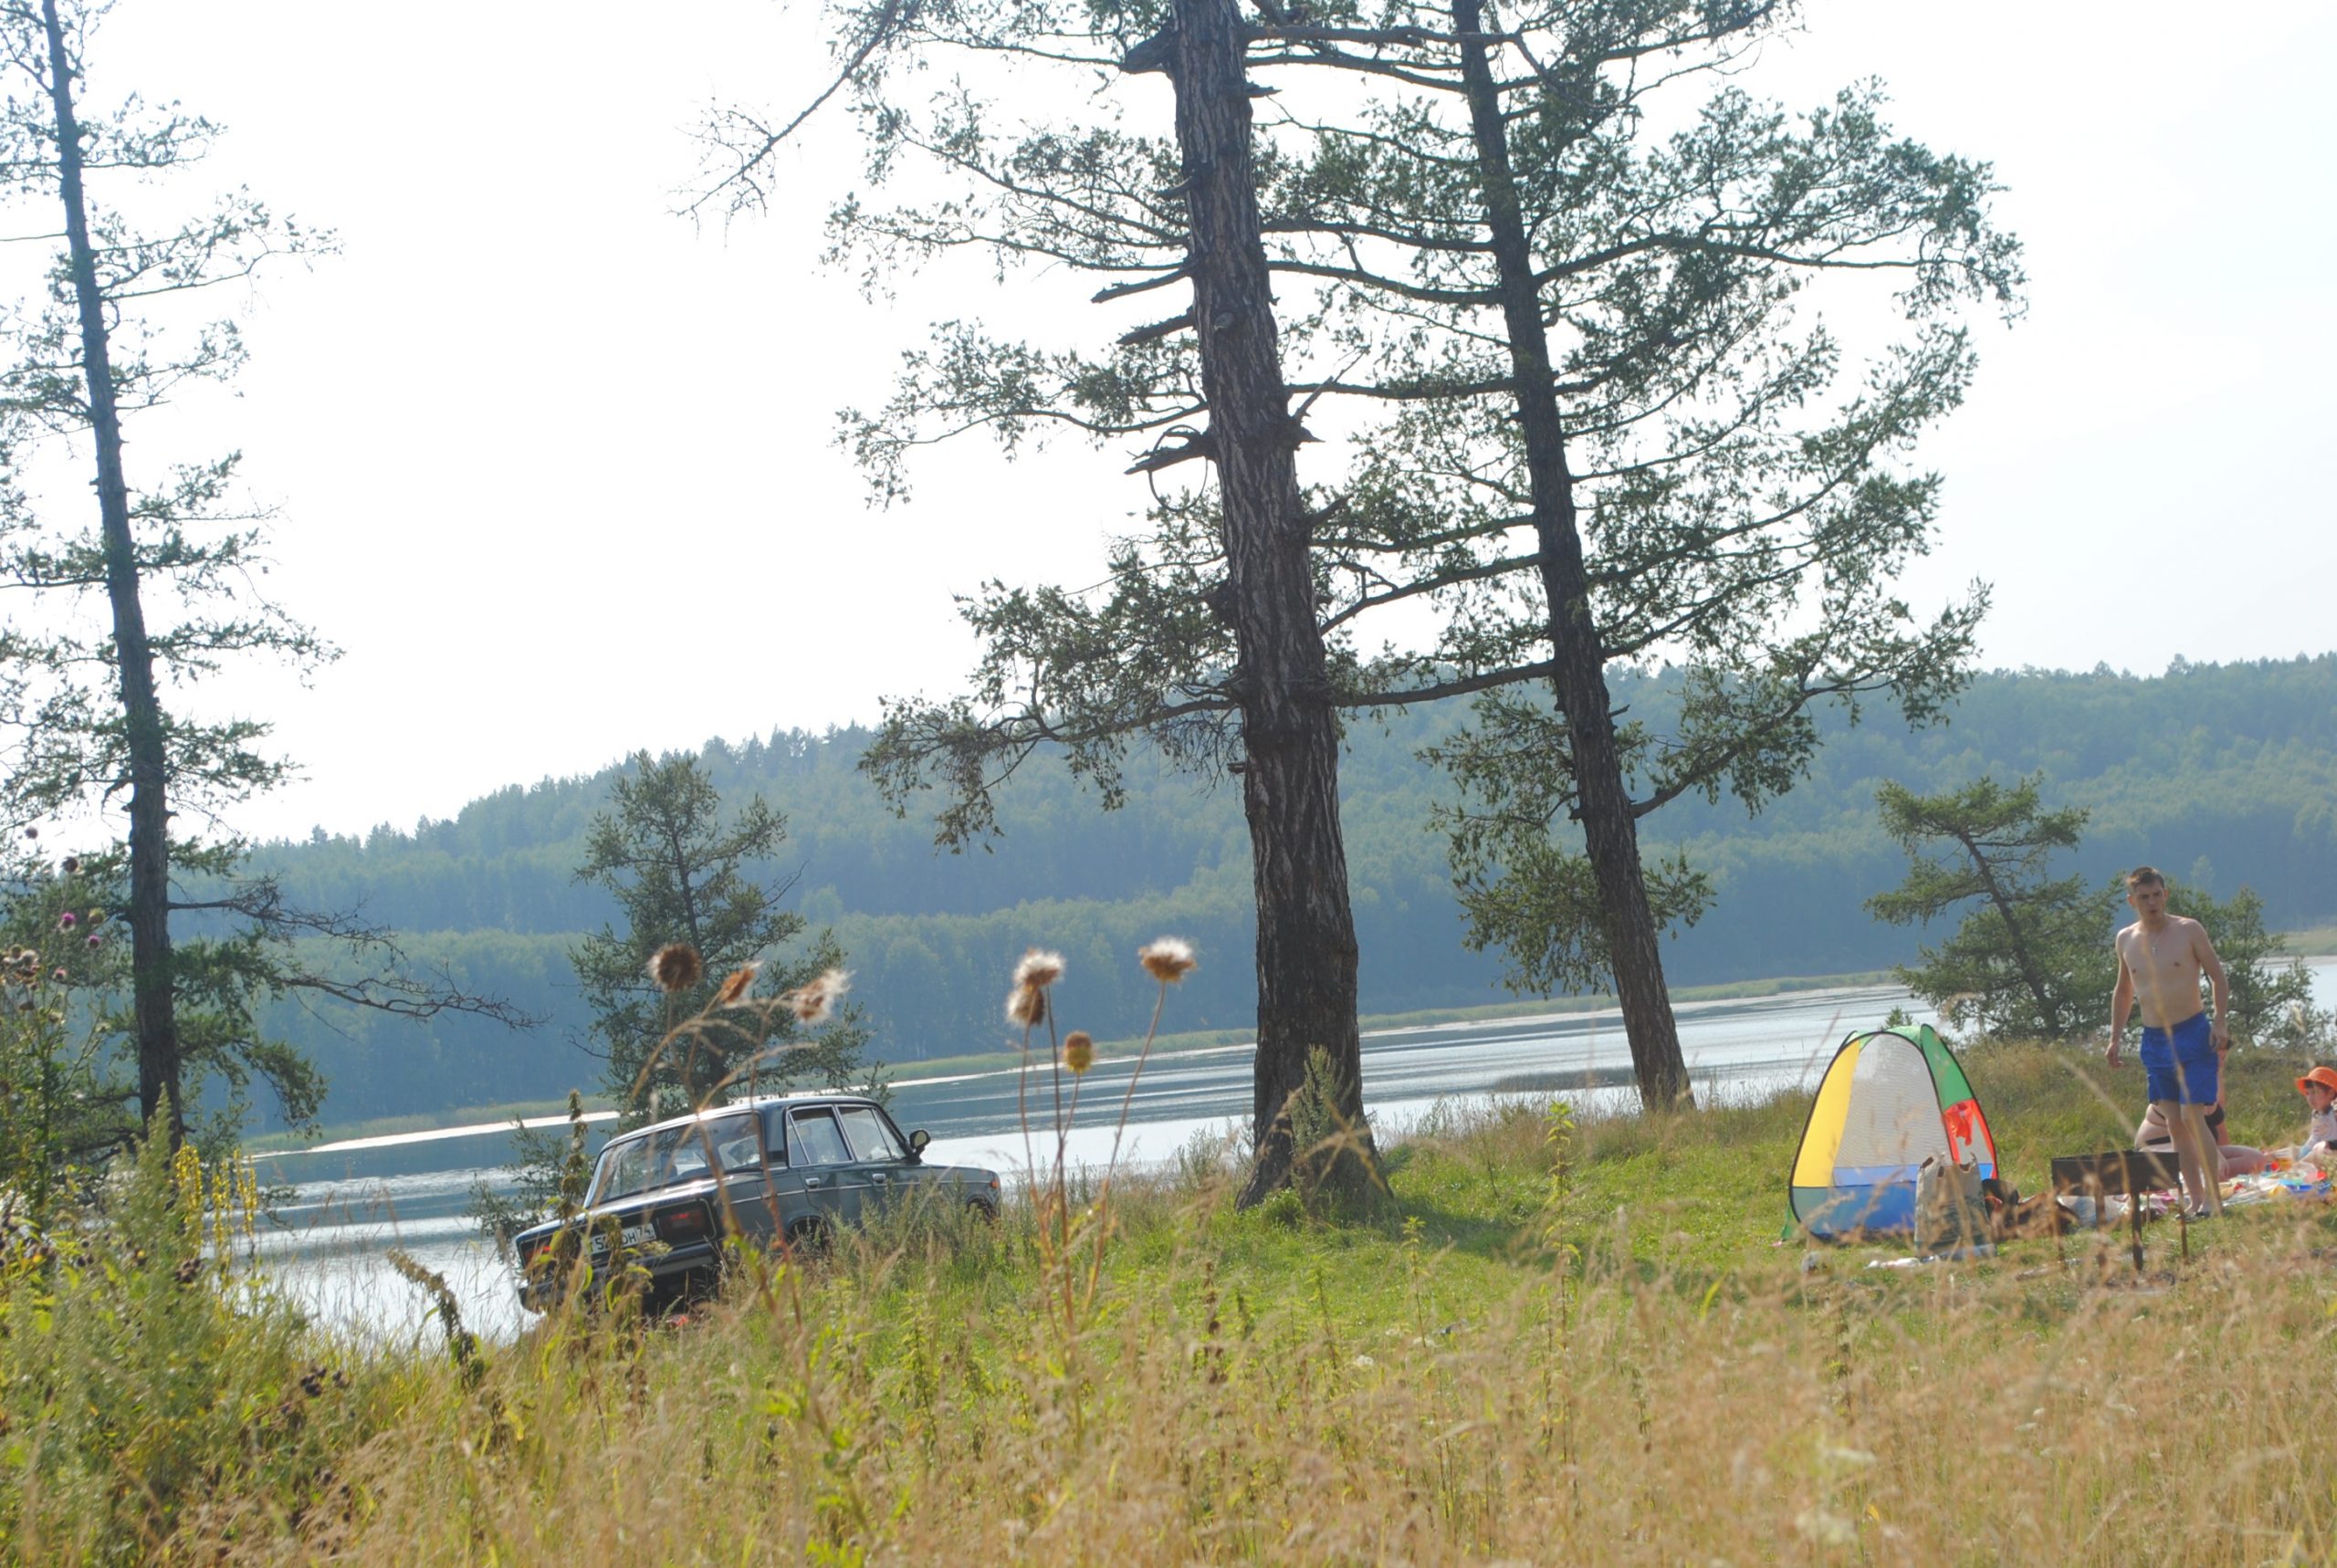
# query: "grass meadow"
[[1553, 1342]]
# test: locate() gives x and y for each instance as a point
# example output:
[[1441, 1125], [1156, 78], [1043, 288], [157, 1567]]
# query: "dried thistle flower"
[[1026, 1006], [1168, 959], [1078, 1051], [736, 985], [676, 968], [1038, 970], [71, 867], [816, 998]]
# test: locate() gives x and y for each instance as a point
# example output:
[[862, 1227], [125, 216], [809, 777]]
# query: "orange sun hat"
[[2324, 1076]]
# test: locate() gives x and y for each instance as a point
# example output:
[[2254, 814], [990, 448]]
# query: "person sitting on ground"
[[2238, 1159], [2318, 1088]]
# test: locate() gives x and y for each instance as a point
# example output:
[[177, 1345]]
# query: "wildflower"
[[816, 1000], [71, 867], [1026, 1006], [32, 832], [96, 917], [57, 973], [1078, 1051], [1039, 969], [1166, 959], [67, 921], [676, 967], [95, 939], [736, 985]]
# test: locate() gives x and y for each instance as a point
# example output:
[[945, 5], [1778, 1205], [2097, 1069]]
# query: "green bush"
[[138, 1381]]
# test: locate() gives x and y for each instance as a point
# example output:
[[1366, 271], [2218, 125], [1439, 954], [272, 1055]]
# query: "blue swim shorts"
[[2184, 1067]]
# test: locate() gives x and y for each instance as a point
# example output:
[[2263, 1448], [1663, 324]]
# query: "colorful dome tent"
[[1891, 1098]]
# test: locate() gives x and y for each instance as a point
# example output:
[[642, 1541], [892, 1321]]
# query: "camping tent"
[[1892, 1097]]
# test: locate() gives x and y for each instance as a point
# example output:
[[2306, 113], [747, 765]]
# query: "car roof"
[[757, 1102]]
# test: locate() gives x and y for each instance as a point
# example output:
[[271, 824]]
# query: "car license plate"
[[631, 1236]]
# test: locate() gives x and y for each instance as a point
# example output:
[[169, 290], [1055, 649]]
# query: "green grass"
[[1570, 1341]]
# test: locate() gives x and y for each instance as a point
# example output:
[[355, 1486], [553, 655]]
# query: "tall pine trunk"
[[150, 849], [1602, 802], [1307, 945]]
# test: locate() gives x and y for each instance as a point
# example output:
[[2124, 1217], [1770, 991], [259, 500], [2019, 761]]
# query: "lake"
[[353, 1203]]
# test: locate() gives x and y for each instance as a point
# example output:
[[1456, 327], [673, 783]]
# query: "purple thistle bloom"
[[67, 921], [94, 938]]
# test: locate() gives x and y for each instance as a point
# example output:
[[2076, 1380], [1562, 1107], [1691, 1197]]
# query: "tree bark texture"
[[1307, 944], [1602, 802], [150, 865]]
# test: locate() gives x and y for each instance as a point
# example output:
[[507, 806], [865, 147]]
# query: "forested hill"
[[2221, 774]]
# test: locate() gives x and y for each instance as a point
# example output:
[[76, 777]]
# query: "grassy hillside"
[[1551, 1345]]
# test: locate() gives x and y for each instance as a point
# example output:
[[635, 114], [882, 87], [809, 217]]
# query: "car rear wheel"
[[809, 1237]]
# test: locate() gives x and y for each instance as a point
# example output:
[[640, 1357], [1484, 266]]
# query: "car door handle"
[[879, 1177], [811, 1181]]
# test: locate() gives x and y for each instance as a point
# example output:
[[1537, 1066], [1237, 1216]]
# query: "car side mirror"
[[917, 1140]]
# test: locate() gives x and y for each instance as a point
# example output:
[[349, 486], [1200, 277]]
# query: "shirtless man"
[[2159, 959]]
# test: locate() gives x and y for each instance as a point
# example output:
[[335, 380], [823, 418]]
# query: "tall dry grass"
[[2026, 1412], [1514, 1366], [913, 1399]]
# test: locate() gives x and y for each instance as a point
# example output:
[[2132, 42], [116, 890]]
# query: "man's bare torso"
[[2165, 967]]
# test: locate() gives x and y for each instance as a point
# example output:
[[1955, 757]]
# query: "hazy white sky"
[[555, 465]]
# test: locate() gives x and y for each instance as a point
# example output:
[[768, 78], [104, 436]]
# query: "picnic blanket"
[[2287, 1180]]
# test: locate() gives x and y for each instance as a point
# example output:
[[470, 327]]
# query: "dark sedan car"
[[780, 1172]]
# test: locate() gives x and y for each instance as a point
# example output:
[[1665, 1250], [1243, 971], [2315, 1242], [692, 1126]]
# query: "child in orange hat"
[[2318, 1088]]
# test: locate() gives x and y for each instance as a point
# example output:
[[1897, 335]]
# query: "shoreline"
[[475, 1120]]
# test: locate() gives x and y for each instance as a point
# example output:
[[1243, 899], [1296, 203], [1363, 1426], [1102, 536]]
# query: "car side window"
[[871, 1138], [740, 1145], [815, 1140]]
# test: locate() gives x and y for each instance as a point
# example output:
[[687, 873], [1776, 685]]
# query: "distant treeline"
[[2225, 775]]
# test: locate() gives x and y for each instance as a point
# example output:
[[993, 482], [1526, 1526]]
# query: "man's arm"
[[2220, 1031], [2122, 1002]]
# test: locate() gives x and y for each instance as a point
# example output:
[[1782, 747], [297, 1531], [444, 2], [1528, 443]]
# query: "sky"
[[553, 465]]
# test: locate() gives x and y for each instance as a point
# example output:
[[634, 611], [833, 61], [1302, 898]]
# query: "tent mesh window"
[[1893, 1115]]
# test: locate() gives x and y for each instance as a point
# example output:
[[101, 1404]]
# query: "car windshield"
[[669, 1154]]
